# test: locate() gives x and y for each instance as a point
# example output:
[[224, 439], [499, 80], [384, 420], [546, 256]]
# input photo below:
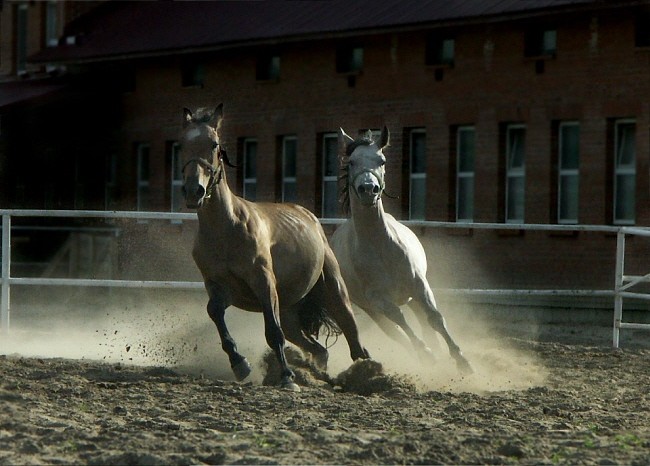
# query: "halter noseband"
[[215, 177]]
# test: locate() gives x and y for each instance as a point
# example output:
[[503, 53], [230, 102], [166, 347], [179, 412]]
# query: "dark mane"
[[344, 197]]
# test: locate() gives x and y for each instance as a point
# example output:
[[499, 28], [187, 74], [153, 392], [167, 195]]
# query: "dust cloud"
[[172, 329]]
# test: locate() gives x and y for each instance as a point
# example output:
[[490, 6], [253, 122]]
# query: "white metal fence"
[[620, 289]]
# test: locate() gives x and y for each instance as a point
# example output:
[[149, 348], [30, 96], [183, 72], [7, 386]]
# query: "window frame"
[[623, 171], [287, 180], [248, 180], [176, 178], [514, 173], [422, 175], [464, 174], [328, 180], [142, 183], [563, 173], [267, 67]]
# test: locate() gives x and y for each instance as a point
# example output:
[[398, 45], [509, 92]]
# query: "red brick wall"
[[597, 75]]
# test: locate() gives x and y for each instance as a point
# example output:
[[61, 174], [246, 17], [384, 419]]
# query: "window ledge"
[[440, 66], [543, 56]]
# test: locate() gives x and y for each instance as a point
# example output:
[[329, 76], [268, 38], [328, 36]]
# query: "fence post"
[[618, 284], [6, 260]]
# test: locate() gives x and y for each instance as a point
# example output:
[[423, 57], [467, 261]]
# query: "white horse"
[[382, 261]]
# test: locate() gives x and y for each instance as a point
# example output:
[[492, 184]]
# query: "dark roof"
[[122, 29], [19, 91]]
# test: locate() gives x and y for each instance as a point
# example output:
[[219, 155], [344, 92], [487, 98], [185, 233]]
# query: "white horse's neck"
[[367, 220]]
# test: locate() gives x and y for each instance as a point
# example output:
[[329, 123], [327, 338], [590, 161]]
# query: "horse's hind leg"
[[337, 302], [217, 312], [293, 331]]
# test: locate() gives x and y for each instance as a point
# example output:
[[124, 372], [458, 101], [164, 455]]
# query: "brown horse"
[[261, 257]]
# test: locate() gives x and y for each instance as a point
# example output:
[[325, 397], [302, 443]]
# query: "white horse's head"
[[364, 162]]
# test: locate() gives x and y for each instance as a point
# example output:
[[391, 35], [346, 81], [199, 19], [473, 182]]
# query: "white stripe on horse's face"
[[192, 134]]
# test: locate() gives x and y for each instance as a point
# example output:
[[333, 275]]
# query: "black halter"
[[215, 175]]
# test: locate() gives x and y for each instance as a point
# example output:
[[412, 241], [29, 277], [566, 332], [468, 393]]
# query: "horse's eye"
[[215, 145], [382, 163]]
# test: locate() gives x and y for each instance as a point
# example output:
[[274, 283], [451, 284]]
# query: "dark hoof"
[[242, 370], [362, 354], [288, 384], [320, 360]]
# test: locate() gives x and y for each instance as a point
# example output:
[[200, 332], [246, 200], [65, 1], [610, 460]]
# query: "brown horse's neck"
[[218, 207]]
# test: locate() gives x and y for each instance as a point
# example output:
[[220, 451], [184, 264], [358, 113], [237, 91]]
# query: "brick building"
[[499, 111]]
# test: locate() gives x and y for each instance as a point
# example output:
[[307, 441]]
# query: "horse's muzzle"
[[194, 194], [367, 189]]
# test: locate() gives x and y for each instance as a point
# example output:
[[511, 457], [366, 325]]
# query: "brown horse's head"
[[363, 166], [202, 154]]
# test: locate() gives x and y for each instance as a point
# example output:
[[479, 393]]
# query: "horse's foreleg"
[[265, 289], [391, 320], [427, 312], [217, 312]]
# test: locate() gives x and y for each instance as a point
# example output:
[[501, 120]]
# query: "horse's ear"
[[187, 116], [385, 137], [344, 140], [217, 115]]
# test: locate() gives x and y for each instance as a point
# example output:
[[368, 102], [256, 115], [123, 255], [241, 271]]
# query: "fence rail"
[[618, 292]]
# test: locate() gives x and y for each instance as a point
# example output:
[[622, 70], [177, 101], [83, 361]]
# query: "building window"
[[465, 156], [624, 172], [540, 42], [51, 26], [349, 59], [143, 194], [568, 172], [176, 181], [417, 174], [192, 74], [267, 67], [21, 39], [110, 183], [330, 160], [250, 169], [289, 146], [439, 50], [642, 29], [515, 173]]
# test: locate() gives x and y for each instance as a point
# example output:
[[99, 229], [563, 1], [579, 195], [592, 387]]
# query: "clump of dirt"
[[367, 377], [363, 377], [307, 375]]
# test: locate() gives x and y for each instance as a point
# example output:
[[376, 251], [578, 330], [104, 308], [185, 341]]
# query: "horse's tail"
[[315, 319]]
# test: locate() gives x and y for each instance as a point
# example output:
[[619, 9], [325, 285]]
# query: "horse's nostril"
[[200, 191], [375, 189], [361, 189]]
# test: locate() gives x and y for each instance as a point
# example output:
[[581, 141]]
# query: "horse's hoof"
[[427, 356], [242, 370], [320, 361], [290, 385], [464, 367]]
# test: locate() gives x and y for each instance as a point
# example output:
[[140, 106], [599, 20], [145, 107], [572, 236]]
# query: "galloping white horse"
[[382, 261]]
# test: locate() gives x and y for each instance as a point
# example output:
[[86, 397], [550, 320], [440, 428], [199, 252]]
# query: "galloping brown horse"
[[261, 257]]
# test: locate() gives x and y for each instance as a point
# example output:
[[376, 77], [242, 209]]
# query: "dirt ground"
[[153, 388]]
